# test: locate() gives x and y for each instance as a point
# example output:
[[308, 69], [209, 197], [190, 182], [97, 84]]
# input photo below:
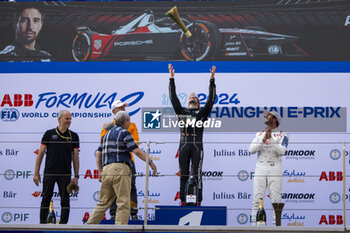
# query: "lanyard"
[[69, 139]]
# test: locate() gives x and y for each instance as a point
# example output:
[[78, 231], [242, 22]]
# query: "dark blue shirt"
[[116, 146]]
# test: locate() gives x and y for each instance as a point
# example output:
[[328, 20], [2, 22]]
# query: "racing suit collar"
[[275, 130]]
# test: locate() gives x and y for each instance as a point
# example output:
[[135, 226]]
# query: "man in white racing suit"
[[270, 144]]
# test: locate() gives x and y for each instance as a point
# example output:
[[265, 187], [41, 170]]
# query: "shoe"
[[181, 203], [134, 217], [112, 217]]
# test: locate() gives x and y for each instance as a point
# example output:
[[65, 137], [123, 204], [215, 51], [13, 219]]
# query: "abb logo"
[[177, 196], [332, 220], [18, 100], [87, 216], [332, 176], [89, 174]]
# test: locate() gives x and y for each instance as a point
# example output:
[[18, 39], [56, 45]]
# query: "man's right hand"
[[154, 168], [36, 180], [171, 71], [267, 134]]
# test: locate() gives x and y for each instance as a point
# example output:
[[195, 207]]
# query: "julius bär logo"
[[335, 154], [152, 119]]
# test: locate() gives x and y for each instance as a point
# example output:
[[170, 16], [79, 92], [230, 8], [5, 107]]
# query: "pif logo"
[[9, 114], [10, 174], [243, 175], [335, 154], [334, 198], [15, 217], [6, 217], [332, 220], [242, 219], [96, 196], [18, 100], [332, 176]]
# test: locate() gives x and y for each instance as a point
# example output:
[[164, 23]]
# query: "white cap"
[[193, 94], [118, 103], [274, 113]]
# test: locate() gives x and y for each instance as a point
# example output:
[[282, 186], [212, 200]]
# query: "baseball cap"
[[118, 103], [274, 113]]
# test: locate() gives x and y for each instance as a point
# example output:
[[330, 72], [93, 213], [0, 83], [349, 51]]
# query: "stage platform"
[[160, 228]]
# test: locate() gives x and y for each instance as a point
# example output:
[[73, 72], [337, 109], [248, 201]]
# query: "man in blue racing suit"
[[191, 138]]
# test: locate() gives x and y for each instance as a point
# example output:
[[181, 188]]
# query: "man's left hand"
[[154, 168], [212, 71], [75, 180]]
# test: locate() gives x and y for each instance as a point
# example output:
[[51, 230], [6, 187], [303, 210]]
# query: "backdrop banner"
[[312, 166]]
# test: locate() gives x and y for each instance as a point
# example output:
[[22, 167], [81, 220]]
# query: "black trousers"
[[133, 197], [190, 153], [48, 187]]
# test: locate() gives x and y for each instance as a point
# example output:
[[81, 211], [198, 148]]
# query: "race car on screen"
[[145, 38]]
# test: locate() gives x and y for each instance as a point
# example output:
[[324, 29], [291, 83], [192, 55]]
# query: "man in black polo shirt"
[[62, 147]]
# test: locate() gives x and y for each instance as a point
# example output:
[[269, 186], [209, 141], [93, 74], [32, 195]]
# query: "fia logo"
[[152, 119], [9, 114]]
